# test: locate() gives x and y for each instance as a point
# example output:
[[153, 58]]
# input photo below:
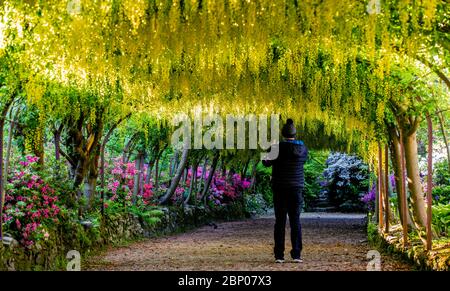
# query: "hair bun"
[[289, 121]]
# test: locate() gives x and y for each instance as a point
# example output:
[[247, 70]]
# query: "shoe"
[[298, 261], [279, 261]]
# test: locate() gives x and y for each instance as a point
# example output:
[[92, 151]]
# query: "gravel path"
[[332, 241]]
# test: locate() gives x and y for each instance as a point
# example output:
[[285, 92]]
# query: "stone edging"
[[436, 260], [123, 227]]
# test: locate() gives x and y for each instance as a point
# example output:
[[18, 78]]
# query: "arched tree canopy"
[[340, 69]]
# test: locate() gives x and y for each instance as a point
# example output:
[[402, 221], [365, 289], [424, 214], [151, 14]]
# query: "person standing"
[[287, 186]]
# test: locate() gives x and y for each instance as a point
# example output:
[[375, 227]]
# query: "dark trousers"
[[287, 201]]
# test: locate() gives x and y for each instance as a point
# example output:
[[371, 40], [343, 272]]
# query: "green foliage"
[[56, 172], [263, 185], [441, 194], [441, 180], [441, 173], [441, 219], [147, 213], [313, 170], [372, 231], [255, 203], [151, 216]]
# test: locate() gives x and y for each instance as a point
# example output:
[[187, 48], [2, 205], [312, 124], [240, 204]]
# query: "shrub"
[[441, 219], [441, 189], [121, 183], [345, 180], [150, 214], [224, 192], [263, 184], [313, 169], [31, 204], [254, 203], [369, 198], [441, 173], [441, 194]]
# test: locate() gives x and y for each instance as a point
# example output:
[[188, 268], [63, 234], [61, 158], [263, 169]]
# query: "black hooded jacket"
[[287, 168]]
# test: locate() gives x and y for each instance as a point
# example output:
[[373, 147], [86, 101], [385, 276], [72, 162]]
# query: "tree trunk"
[[137, 176], [195, 187], [414, 183], [157, 173], [403, 181], [210, 177], [141, 175], [8, 151], [91, 179], [149, 173], [185, 173], [386, 190], [203, 177], [80, 173], [57, 141], [2, 172], [396, 158], [170, 167], [174, 182], [127, 148], [102, 179], [380, 187], [157, 168], [444, 135], [89, 189], [244, 170], [173, 163], [86, 151], [429, 182], [191, 186], [253, 179], [377, 202]]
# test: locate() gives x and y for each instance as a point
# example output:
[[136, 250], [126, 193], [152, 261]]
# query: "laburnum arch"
[[354, 75]]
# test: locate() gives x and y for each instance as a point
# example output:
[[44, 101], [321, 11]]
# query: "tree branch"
[[68, 158], [441, 75], [111, 130]]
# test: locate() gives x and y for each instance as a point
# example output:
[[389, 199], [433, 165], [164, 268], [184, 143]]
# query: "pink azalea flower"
[[23, 163], [245, 184]]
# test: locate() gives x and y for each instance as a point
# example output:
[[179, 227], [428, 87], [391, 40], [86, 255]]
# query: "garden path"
[[332, 241]]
